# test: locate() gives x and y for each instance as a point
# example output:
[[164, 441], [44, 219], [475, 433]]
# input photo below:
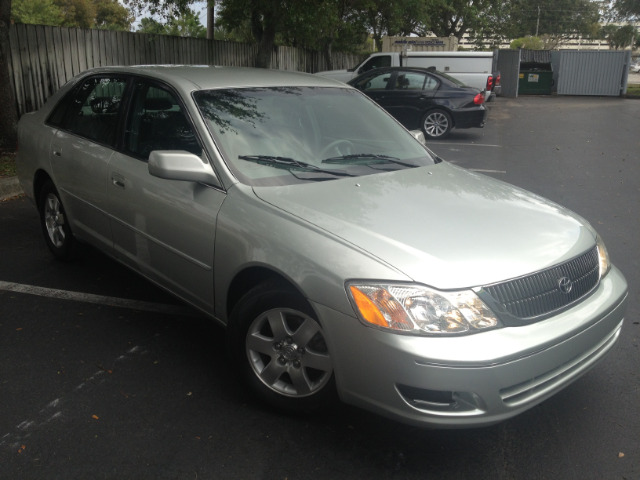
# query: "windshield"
[[287, 135]]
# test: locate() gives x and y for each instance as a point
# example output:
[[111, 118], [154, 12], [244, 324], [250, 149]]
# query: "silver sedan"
[[344, 257]]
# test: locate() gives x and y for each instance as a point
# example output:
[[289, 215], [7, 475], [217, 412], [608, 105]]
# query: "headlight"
[[603, 257], [420, 310]]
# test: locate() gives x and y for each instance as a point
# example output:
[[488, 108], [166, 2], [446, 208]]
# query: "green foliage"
[[149, 25], [106, 14], [163, 8], [77, 13], [36, 12], [619, 36], [458, 17], [111, 15], [186, 25], [629, 9], [528, 42], [557, 19]]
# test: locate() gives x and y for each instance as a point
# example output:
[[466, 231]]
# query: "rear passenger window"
[[92, 110], [158, 122], [410, 81]]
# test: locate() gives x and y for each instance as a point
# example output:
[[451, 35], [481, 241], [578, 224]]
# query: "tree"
[[557, 19], [186, 25], [529, 42], [77, 13], [619, 37], [152, 26], [629, 9], [264, 17], [105, 14], [458, 17], [111, 15], [394, 17], [36, 12], [322, 25], [9, 117]]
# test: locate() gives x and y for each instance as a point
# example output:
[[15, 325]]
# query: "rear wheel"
[[280, 350], [55, 227], [437, 124]]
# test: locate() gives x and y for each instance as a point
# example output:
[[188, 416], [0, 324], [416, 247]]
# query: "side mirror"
[[418, 135], [181, 165]]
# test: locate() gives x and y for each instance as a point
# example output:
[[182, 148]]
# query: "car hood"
[[441, 225]]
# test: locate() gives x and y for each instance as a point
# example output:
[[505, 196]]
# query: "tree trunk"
[[9, 115], [263, 28], [210, 20], [328, 54]]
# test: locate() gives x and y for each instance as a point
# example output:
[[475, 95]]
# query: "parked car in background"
[[421, 98], [475, 69], [340, 253]]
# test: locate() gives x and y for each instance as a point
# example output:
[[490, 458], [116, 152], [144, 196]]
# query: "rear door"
[[410, 97], [87, 120]]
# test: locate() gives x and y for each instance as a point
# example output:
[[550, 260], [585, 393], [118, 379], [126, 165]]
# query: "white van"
[[475, 69]]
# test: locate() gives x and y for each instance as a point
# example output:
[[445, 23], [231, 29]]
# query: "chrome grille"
[[542, 293]]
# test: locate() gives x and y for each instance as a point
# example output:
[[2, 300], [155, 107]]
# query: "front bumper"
[[472, 380]]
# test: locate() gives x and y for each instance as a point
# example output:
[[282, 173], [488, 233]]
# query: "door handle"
[[118, 180]]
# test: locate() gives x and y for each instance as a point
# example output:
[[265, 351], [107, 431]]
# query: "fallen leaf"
[[22, 448], [95, 417], [620, 455]]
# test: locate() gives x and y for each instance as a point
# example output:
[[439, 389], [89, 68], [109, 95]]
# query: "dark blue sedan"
[[421, 98]]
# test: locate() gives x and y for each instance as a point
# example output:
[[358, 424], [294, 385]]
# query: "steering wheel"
[[340, 146]]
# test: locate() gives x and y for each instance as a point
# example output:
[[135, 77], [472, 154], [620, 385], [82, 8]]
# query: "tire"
[[437, 124], [55, 227], [279, 349]]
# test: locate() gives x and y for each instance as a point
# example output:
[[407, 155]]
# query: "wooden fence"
[[43, 58]]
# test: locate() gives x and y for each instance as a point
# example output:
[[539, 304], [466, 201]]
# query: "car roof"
[[444, 78], [204, 77], [430, 70]]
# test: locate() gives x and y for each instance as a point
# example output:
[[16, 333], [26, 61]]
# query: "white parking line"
[[467, 144], [98, 299], [482, 170]]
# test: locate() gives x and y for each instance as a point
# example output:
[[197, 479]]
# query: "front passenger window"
[[158, 122]]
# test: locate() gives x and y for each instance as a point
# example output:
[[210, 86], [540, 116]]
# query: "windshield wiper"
[[289, 163], [360, 158]]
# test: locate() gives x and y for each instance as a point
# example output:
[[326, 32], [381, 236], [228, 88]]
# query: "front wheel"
[[437, 124], [54, 223], [280, 349]]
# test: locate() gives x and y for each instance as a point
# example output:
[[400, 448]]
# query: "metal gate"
[[575, 72], [593, 73], [509, 67]]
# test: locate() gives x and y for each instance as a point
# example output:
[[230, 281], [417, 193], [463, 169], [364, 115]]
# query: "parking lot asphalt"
[[102, 375]]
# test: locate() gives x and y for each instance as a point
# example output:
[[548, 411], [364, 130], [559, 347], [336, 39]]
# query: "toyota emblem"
[[565, 285]]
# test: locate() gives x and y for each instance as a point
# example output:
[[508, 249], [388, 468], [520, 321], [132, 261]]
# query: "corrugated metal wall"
[[509, 67], [593, 73]]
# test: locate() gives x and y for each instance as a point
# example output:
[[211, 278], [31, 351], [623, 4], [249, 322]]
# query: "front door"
[[163, 228]]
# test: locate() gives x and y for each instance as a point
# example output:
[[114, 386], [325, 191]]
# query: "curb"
[[9, 187]]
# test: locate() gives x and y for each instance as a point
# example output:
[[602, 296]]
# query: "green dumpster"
[[535, 79]]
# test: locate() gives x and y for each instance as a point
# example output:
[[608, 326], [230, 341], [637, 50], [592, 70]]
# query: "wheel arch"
[[443, 108], [39, 179], [251, 277]]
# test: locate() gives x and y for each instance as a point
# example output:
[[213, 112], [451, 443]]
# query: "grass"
[[633, 90], [7, 164]]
